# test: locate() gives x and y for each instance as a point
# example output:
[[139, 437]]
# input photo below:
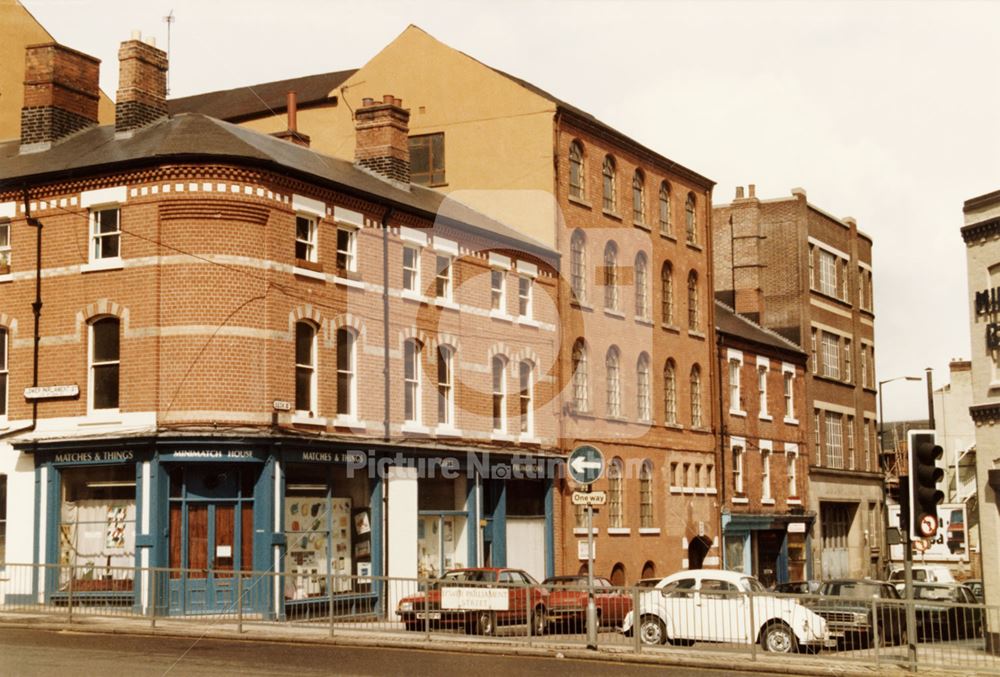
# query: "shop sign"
[[478, 599], [988, 304], [51, 392], [210, 455], [353, 457], [796, 527], [74, 457]]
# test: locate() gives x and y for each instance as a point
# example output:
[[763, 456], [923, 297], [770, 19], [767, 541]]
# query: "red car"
[[478, 600], [568, 602]]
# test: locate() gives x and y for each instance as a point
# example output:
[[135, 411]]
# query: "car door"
[[678, 608], [720, 608], [516, 597]]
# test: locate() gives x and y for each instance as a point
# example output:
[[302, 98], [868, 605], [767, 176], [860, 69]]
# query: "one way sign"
[[586, 464]]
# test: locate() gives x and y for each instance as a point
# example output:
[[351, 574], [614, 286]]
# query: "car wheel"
[[486, 623], [652, 631], [778, 638], [537, 625]]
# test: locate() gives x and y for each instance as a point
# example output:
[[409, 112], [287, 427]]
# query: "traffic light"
[[924, 477]]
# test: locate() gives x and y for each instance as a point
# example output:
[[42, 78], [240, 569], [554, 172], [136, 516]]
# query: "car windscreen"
[[469, 576], [851, 590], [752, 584], [934, 593]]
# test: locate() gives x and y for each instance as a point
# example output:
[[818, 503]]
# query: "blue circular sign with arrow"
[[586, 464]]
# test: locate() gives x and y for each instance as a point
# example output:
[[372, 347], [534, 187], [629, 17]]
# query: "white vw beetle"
[[709, 605]]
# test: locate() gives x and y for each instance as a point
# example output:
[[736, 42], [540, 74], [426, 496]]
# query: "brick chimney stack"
[[382, 143], [60, 94], [142, 85]]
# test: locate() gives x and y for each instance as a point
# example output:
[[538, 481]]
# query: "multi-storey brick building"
[[765, 481], [637, 355], [245, 354], [807, 275]]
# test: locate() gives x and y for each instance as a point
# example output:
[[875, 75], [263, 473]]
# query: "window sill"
[[300, 418], [102, 264], [446, 303], [711, 491], [611, 312], [502, 316], [306, 272], [528, 322], [410, 295], [6, 277], [528, 439], [447, 431], [619, 531], [694, 333], [582, 202], [616, 419], [676, 490], [668, 236], [349, 282], [410, 427], [582, 531], [688, 490], [645, 321], [794, 501], [737, 412], [497, 436], [766, 417], [673, 426], [612, 215], [101, 417], [694, 245], [791, 421], [581, 305], [740, 501], [342, 421], [700, 429], [767, 501], [672, 328], [642, 226], [649, 531]]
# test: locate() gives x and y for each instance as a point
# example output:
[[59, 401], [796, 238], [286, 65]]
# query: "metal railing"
[[720, 624]]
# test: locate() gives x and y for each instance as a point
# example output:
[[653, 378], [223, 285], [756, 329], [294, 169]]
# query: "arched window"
[[638, 197], [649, 569], [446, 386], [642, 388], [670, 392], [610, 198], [666, 227], [611, 276], [695, 396], [581, 389], [576, 181], [411, 380], [618, 575], [616, 512], [641, 287], [305, 368], [105, 363], [646, 495], [667, 293], [525, 395], [346, 370], [694, 317], [578, 266], [499, 369], [690, 220], [614, 382]]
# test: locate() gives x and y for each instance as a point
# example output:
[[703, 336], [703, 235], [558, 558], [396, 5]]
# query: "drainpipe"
[[36, 309], [385, 322], [722, 445]]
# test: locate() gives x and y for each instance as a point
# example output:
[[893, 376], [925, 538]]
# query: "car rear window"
[[469, 575], [852, 590], [936, 593]]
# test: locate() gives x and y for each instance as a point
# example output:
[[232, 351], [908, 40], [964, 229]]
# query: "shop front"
[[773, 548]]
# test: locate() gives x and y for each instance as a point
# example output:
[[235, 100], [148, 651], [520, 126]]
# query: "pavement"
[[566, 647]]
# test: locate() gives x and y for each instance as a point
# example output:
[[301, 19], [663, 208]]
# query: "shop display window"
[[97, 528], [441, 526]]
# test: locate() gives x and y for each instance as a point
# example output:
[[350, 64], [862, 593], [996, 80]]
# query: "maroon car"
[[568, 602], [477, 600]]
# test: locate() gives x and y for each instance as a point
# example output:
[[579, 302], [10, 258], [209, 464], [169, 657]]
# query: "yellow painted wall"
[[18, 29], [498, 135]]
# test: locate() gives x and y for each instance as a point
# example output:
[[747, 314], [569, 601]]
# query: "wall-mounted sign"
[[581, 550], [796, 527], [282, 405], [51, 392], [591, 498], [492, 599]]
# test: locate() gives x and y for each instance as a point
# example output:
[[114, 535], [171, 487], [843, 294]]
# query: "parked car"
[[709, 605], [798, 587], [567, 603], [976, 586], [484, 611], [944, 611], [924, 573], [847, 607], [647, 582]]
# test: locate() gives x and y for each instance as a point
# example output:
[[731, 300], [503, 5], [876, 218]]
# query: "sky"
[[884, 111]]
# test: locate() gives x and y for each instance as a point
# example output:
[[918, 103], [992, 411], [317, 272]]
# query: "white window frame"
[[850, 449], [817, 442], [613, 368], [446, 386], [578, 266], [498, 291], [580, 362], [526, 398], [766, 451], [311, 366], [311, 240], [412, 351], [443, 276], [642, 387], [612, 300], [616, 495], [641, 287], [830, 344], [763, 368], [788, 385], [6, 250], [647, 515], [498, 401], [827, 273], [792, 470], [349, 254], [735, 363], [834, 423], [868, 444], [670, 392], [350, 374], [92, 364], [97, 237], [694, 378], [411, 271], [848, 361], [738, 449], [694, 299], [525, 296]]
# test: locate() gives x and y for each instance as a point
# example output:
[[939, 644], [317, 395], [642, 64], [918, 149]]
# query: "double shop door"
[[211, 540]]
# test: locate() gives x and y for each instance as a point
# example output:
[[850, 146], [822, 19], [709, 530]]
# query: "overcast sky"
[[887, 112]]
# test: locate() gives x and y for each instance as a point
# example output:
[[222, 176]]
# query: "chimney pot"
[[382, 143], [293, 134], [367, 101], [799, 192], [739, 192], [752, 188], [136, 34], [142, 86], [61, 93]]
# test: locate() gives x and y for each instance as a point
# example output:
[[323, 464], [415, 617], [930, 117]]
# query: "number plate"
[[431, 616]]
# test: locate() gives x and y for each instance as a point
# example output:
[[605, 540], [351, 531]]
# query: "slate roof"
[[250, 101], [193, 138], [728, 321]]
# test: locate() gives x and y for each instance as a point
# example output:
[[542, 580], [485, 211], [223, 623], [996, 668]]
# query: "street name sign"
[[51, 392], [586, 464]]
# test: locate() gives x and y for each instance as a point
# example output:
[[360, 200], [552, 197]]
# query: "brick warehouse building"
[[807, 275], [637, 346], [765, 480], [233, 330]]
